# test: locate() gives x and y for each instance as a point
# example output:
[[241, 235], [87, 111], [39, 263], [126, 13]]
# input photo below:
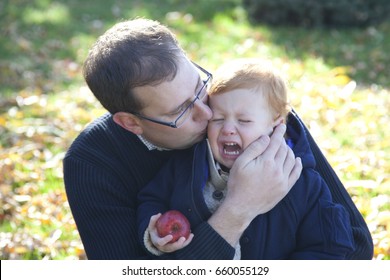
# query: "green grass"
[[44, 103]]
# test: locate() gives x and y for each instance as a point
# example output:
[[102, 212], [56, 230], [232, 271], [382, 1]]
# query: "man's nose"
[[202, 109]]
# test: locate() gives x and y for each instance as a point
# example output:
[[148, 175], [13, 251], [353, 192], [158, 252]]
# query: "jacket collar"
[[218, 177]]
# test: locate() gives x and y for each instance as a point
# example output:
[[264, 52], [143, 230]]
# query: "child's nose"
[[229, 129]]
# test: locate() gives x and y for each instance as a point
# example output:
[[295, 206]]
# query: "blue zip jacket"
[[306, 224]]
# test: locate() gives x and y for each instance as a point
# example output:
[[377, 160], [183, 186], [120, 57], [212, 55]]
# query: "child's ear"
[[278, 120], [128, 121]]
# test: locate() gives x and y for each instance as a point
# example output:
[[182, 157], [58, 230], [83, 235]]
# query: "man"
[[142, 77]]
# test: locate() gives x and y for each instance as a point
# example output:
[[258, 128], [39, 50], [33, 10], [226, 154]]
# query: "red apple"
[[175, 223]]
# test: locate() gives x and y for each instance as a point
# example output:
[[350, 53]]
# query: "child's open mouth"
[[231, 149]]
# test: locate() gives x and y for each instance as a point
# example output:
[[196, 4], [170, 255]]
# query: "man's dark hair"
[[131, 54]]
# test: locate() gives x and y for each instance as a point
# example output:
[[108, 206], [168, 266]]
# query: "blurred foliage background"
[[339, 81]]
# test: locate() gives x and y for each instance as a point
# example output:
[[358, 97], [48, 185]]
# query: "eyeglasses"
[[187, 111]]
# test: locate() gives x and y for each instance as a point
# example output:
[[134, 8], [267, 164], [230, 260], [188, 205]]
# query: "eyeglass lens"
[[200, 95]]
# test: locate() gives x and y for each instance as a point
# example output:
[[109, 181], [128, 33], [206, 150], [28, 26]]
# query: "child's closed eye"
[[217, 120]]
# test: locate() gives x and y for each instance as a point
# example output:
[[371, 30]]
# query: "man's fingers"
[[289, 161], [277, 138], [255, 149], [295, 172], [282, 154], [292, 167]]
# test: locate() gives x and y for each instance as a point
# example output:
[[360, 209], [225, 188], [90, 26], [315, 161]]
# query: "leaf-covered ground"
[[338, 79]]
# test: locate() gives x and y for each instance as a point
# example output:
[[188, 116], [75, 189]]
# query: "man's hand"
[[263, 174], [260, 178]]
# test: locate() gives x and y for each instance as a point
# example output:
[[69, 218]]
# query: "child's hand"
[[162, 243]]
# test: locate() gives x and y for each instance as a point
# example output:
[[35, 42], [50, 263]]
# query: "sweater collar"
[[149, 145]]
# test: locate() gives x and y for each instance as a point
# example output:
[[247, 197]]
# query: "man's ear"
[[128, 121]]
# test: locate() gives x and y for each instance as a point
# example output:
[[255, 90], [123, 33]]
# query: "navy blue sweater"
[[306, 224], [105, 168]]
